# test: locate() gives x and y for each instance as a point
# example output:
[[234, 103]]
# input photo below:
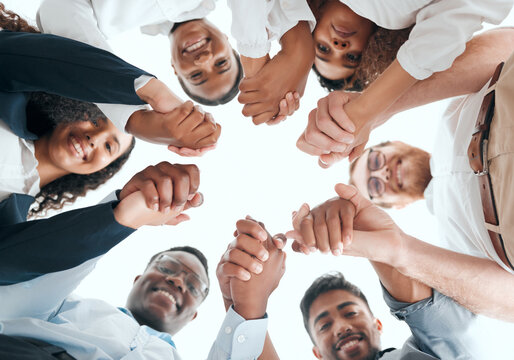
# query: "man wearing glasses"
[[162, 301]]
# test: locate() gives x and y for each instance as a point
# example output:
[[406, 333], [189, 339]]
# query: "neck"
[[47, 171]]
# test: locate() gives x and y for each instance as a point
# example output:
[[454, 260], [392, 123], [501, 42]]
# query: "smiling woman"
[[78, 149]]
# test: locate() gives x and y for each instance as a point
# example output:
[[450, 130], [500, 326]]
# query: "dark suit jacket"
[[40, 62]]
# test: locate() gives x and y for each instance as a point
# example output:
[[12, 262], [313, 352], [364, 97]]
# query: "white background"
[[257, 171]]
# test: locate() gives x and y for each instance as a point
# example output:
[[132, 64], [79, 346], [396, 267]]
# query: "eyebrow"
[[221, 72], [115, 138], [339, 307], [344, 65]]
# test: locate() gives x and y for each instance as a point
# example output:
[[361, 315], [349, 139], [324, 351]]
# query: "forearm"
[[380, 95], [401, 287], [480, 285], [40, 62], [268, 351], [468, 74], [251, 66]]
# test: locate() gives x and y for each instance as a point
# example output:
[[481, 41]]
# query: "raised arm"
[[29, 249], [39, 62]]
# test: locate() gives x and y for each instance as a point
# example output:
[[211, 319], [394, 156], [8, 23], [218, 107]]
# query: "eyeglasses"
[[174, 267], [376, 161]]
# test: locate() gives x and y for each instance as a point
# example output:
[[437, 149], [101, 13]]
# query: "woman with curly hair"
[[400, 55], [57, 148]]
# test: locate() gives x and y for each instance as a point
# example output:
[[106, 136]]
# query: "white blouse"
[[255, 23], [18, 165], [442, 27]]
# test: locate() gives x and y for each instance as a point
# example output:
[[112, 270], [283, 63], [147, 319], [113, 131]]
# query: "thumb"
[[350, 192], [356, 152]]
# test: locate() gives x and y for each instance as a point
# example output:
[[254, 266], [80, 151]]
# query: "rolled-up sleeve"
[[439, 325], [269, 20], [442, 30], [239, 339]]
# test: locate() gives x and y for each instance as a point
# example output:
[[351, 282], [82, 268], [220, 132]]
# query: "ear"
[[316, 352], [399, 206], [194, 316], [378, 325], [173, 66], [136, 278]]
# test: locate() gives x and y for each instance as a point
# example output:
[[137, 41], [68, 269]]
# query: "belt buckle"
[[485, 162]]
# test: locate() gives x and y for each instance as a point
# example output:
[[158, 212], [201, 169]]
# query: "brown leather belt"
[[477, 154]]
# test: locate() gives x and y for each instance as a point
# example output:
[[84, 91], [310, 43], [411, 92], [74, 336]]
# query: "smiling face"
[[343, 327], [163, 301], [340, 37], [395, 174], [84, 148], [203, 59]]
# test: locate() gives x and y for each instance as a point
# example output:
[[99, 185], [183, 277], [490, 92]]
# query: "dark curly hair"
[[44, 112], [379, 53], [13, 22]]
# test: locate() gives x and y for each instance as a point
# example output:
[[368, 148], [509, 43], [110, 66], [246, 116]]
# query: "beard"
[[372, 355]]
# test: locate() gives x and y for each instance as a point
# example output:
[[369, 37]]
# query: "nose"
[[177, 281], [202, 58], [340, 44], [384, 173], [91, 140], [342, 328]]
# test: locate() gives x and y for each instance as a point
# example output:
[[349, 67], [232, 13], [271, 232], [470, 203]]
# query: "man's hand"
[[166, 187], [184, 127], [369, 232], [251, 268], [261, 94]]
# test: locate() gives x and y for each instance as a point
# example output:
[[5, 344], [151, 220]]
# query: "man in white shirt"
[[395, 174], [201, 56]]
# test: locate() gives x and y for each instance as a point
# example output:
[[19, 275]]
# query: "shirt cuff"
[[254, 50], [242, 339], [119, 114], [142, 81], [114, 196], [401, 310]]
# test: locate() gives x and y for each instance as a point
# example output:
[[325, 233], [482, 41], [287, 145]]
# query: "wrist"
[[251, 311]]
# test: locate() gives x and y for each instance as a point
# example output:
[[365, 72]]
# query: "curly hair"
[[13, 22], [379, 53], [44, 112]]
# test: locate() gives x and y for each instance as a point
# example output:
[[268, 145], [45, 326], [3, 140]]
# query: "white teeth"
[[168, 295], [77, 147], [349, 344], [196, 45]]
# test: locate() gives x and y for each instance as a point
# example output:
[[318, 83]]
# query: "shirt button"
[[241, 339], [228, 330]]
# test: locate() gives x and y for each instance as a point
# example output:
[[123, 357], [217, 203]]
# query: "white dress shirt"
[[442, 27], [453, 195], [18, 165], [255, 23], [93, 329]]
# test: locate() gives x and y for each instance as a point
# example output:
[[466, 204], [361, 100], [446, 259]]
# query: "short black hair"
[[325, 283], [188, 249], [225, 98]]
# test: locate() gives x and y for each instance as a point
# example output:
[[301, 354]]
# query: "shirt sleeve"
[[440, 327], [269, 21], [442, 30], [239, 339], [31, 249]]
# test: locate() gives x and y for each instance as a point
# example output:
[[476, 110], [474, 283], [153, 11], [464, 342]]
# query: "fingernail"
[[312, 249], [167, 209], [155, 207], [265, 256], [323, 162], [178, 208], [258, 268], [336, 252], [347, 239], [280, 242], [263, 235], [296, 95], [289, 97], [246, 276]]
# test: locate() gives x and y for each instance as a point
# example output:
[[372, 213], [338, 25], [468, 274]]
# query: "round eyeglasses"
[[376, 161], [173, 267]]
